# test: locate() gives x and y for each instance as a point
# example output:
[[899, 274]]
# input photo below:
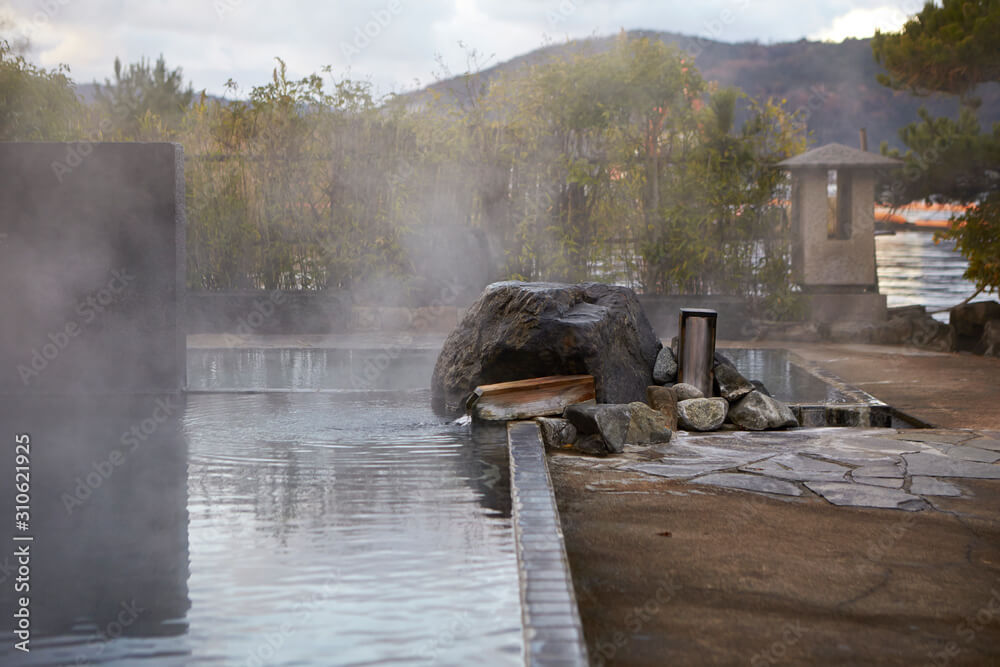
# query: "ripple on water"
[[381, 527], [301, 528], [912, 269]]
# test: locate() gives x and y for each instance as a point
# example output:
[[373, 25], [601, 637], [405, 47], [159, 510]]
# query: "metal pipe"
[[696, 348]]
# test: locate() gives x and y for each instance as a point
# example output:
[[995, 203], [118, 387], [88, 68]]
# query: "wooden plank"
[[533, 383], [535, 397]]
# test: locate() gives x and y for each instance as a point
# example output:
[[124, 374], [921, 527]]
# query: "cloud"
[[862, 22], [392, 43]]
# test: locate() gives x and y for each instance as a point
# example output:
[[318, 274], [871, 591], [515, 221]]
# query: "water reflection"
[[785, 380], [109, 519], [345, 527], [392, 368], [912, 269], [383, 531]]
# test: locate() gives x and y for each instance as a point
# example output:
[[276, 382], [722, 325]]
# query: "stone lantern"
[[833, 231]]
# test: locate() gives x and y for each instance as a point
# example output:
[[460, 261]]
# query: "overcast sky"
[[395, 44]]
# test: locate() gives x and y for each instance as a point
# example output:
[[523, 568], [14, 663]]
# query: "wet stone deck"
[[859, 467]]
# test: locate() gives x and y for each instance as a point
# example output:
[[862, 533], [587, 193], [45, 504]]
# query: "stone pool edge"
[[866, 411], [550, 618]]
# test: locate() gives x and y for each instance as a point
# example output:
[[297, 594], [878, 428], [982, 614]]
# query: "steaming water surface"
[[347, 527], [379, 533]]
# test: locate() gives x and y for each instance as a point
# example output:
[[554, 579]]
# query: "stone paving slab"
[[895, 469], [984, 443], [861, 467], [749, 483], [950, 437], [930, 486], [937, 465], [967, 452], [860, 495], [679, 471], [887, 482], [798, 468]]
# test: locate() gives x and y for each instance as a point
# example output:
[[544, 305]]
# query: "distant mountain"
[[87, 92], [835, 83]]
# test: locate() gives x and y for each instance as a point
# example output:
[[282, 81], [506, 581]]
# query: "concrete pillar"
[[92, 268]]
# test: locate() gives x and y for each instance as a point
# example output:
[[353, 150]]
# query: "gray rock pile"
[[972, 327], [976, 327], [519, 331], [744, 403], [606, 428]]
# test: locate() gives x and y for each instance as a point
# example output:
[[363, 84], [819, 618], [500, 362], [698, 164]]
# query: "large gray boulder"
[[760, 412], [517, 331], [990, 341], [968, 322]]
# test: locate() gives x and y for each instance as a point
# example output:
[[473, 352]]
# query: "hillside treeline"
[[620, 165]]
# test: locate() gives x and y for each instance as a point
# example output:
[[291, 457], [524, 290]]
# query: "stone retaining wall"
[[553, 632], [973, 327], [286, 312]]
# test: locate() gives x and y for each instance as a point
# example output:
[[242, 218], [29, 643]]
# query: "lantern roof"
[[838, 155]]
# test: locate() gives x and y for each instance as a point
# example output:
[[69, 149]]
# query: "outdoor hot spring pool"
[[336, 528], [352, 370], [299, 506]]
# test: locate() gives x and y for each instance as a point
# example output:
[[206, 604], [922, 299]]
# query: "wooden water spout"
[[696, 348]]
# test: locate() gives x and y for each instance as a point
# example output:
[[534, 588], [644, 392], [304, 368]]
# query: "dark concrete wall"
[[92, 241], [287, 312], [261, 312]]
